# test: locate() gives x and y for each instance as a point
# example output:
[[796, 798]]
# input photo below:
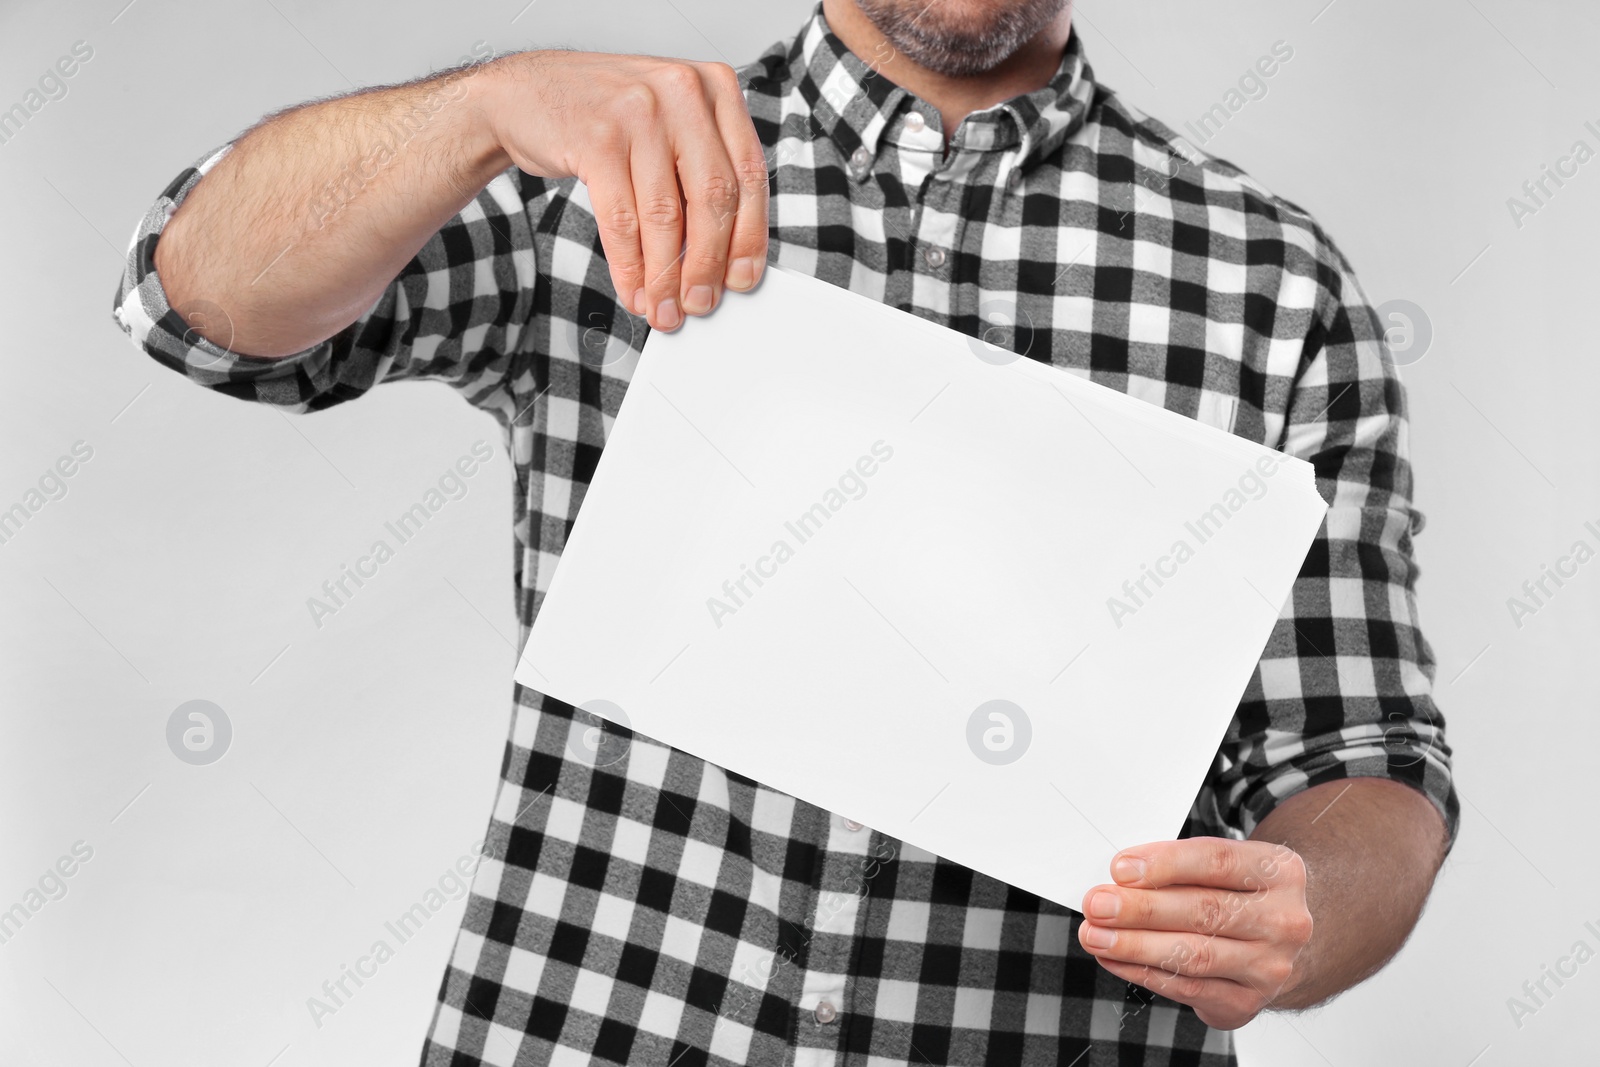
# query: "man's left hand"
[[1210, 922]]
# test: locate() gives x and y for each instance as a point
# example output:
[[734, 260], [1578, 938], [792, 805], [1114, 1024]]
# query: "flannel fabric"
[[649, 908]]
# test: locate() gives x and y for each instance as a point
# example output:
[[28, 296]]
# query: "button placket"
[[835, 922], [937, 236]]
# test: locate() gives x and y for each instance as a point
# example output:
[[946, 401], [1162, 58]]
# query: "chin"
[[961, 38]]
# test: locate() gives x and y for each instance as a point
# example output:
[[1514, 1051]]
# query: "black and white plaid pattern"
[[660, 910]]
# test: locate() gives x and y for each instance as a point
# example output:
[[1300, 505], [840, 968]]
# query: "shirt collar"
[[853, 103]]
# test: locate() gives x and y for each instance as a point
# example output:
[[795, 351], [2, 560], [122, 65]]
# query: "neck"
[[1028, 68]]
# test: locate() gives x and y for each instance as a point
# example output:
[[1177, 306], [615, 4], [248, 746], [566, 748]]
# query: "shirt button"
[[915, 122], [826, 1012], [852, 825], [860, 159], [935, 257]]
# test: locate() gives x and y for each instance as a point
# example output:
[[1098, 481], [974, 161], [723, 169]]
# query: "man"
[[958, 161]]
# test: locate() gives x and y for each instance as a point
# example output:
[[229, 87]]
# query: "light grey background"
[[364, 756]]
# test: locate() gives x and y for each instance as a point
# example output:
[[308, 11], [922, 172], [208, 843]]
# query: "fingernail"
[[1127, 869], [697, 301], [741, 273], [1098, 936], [1104, 905], [638, 302], [667, 313]]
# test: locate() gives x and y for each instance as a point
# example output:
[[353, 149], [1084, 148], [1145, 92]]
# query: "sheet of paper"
[[975, 602]]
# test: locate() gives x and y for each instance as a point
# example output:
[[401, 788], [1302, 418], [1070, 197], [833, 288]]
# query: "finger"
[[747, 251], [1220, 1003], [1191, 909], [660, 209], [1190, 955], [711, 202], [1210, 861], [617, 217]]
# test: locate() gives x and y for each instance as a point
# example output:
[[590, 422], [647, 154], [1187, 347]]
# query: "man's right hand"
[[676, 174], [299, 229]]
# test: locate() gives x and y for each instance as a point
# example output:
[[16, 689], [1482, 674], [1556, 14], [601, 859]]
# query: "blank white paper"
[[978, 603]]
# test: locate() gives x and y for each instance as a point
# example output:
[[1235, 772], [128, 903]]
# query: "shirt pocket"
[[1219, 410], [1212, 407]]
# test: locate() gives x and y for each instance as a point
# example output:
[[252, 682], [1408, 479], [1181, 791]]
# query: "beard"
[[959, 45]]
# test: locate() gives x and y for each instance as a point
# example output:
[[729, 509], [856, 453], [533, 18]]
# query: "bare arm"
[[1371, 848], [1320, 897], [313, 212]]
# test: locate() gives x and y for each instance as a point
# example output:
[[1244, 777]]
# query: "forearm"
[[1371, 848], [312, 213]]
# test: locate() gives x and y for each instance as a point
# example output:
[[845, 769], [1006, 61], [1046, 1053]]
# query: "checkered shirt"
[[650, 908]]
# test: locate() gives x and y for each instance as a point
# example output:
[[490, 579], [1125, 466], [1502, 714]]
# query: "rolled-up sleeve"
[[1344, 688], [457, 312]]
